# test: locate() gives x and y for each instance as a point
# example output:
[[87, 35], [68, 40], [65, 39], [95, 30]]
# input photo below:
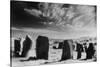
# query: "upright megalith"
[[17, 47], [60, 45], [26, 46], [79, 49], [90, 51], [42, 47], [66, 50]]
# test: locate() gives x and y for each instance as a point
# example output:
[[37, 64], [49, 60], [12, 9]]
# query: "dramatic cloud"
[[77, 16], [55, 20]]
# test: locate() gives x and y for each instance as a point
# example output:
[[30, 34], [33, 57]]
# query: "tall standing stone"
[[66, 50], [17, 47], [79, 50], [90, 51], [42, 47], [26, 46]]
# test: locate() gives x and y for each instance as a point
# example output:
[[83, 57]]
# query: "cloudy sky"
[[54, 18]]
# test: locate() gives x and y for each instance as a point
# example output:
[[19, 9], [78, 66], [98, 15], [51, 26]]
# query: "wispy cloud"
[[33, 12]]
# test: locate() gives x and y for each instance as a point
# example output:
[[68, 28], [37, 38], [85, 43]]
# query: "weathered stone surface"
[[26, 46], [67, 50], [42, 47], [17, 47]]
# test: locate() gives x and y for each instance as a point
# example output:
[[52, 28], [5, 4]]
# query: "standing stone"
[[42, 47], [26, 46], [79, 50], [90, 51], [60, 45], [66, 54], [17, 47]]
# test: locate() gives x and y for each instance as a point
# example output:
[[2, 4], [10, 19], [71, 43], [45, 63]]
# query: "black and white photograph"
[[45, 33]]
